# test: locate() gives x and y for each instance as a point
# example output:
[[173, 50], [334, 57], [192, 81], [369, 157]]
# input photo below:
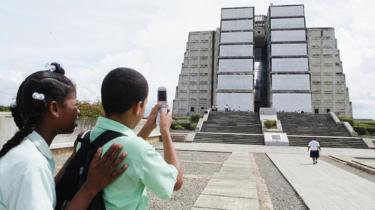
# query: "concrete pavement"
[[325, 186], [322, 186], [234, 187]]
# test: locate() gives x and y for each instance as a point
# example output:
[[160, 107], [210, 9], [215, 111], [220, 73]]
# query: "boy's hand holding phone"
[[165, 120]]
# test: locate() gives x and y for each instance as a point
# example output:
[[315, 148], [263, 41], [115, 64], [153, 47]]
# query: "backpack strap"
[[105, 137], [86, 134], [82, 138], [97, 202]]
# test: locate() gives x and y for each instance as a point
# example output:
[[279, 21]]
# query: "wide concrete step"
[[233, 122], [230, 129], [311, 125], [229, 138], [338, 142]]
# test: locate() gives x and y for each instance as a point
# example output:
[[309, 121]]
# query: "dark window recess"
[[202, 107], [191, 109], [316, 111], [328, 110]]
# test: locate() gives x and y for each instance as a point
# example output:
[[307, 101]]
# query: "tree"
[[90, 109], [4, 108]]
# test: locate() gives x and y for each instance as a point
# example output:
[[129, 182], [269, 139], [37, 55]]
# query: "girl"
[[46, 106]]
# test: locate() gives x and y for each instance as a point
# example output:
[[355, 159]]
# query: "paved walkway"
[[325, 186], [366, 162], [322, 186], [234, 187]]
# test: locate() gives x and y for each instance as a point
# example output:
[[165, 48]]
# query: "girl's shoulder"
[[24, 156]]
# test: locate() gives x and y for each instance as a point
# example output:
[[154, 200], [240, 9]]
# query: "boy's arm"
[[150, 123], [170, 155]]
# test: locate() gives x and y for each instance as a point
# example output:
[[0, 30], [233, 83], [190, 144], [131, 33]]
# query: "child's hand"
[[151, 120], [104, 170], [165, 120]]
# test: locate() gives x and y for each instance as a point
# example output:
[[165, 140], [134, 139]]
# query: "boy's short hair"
[[121, 89]]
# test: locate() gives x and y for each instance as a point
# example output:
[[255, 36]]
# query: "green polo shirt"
[[26, 176], [147, 169]]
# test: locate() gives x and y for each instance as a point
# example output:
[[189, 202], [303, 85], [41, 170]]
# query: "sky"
[[90, 38]]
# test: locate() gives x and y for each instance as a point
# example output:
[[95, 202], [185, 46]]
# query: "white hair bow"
[[50, 67], [38, 96]]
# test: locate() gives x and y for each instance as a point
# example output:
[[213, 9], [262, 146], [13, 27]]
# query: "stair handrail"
[[202, 120], [346, 125]]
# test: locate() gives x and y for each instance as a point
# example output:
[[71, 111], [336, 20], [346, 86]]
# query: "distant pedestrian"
[[226, 108], [314, 148]]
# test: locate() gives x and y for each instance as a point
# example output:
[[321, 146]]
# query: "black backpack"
[[76, 171]]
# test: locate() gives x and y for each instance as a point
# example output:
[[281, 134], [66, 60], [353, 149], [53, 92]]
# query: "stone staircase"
[[231, 128], [233, 122], [310, 124], [337, 142], [245, 128], [301, 128], [202, 137]]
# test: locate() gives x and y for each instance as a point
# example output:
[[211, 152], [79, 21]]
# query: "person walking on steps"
[[226, 108]]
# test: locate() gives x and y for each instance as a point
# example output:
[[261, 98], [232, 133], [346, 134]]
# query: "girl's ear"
[[53, 109]]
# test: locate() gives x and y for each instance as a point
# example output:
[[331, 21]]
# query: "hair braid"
[[15, 140]]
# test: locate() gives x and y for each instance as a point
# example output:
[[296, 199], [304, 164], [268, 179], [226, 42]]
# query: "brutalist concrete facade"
[[195, 84], [235, 87], [289, 77], [258, 61], [329, 90]]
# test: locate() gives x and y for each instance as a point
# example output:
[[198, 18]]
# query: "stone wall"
[[8, 128]]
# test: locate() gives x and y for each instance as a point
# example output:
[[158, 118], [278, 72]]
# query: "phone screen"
[[162, 95]]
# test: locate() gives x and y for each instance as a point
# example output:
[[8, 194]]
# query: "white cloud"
[[89, 38]]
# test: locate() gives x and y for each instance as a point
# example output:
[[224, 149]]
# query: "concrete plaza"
[[321, 186]]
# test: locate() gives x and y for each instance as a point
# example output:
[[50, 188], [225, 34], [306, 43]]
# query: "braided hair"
[[48, 85]]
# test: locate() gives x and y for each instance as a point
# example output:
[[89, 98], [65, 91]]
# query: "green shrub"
[[360, 130], [183, 125], [270, 124], [4, 109], [347, 119], [181, 118], [360, 124], [90, 109], [371, 130], [193, 126], [177, 126], [194, 118], [372, 123], [174, 124]]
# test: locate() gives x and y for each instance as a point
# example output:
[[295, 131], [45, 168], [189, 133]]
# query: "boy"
[[124, 97]]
